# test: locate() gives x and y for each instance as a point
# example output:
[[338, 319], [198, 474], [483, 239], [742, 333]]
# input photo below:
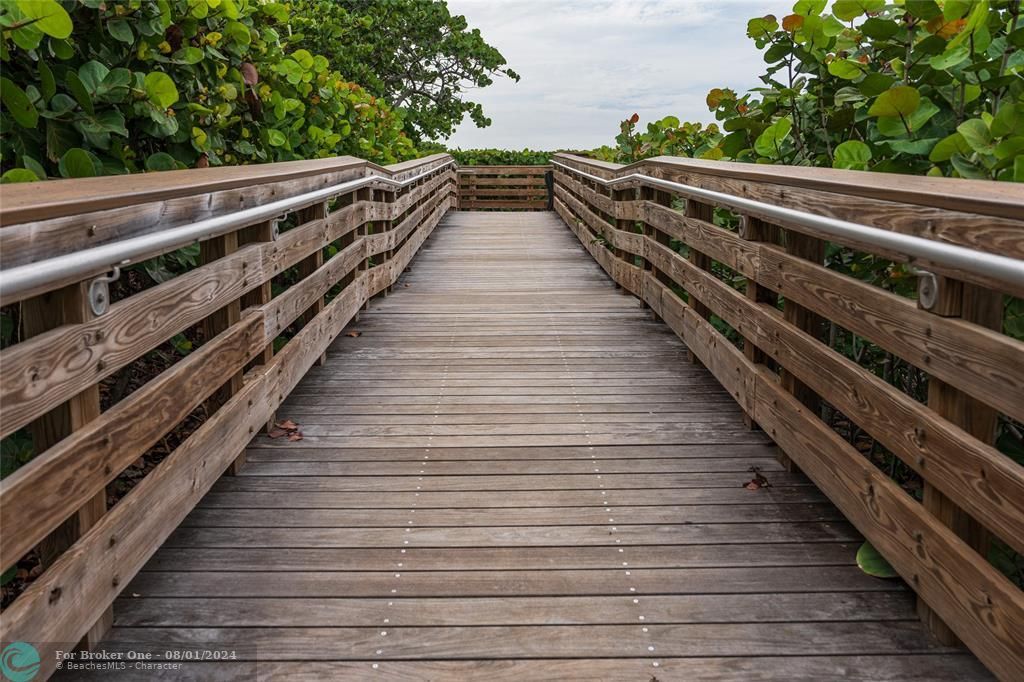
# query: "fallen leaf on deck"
[[354, 334], [297, 435], [276, 433], [287, 425], [758, 481]]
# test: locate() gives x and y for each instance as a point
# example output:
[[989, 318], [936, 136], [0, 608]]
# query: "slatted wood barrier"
[[664, 248], [343, 249], [503, 188]]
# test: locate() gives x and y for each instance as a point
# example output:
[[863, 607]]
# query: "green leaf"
[[1010, 148], [92, 75], [977, 135], [229, 9], [968, 169], [47, 83], [879, 29], [915, 147], [923, 9], [49, 16], [1018, 169], [276, 138], [18, 104], [853, 155], [761, 27], [62, 49], [769, 142], [189, 55], [120, 30], [898, 101], [77, 163], [809, 8], [238, 32], [955, 9], [875, 84], [848, 69], [949, 58], [161, 161], [34, 166], [18, 175], [161, 89], [851, 9], [8, 575], [79, 91], [1009, 120], [873, 563], [945, 148]]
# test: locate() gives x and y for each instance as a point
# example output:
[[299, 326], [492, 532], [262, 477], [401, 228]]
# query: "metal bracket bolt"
[[927, 288], [99, 291]]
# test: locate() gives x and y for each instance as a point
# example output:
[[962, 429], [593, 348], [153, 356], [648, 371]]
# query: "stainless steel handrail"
[[989, 266], [89, 262]]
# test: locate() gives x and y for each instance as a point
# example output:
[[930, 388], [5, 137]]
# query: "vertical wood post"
[[811, 249], [311, 263], [756, 230], [69, 305], [661, 198], [950, 298], [210, 251], [261, 295], [624, 226], [388, 197], [705, 212], [365, 195]]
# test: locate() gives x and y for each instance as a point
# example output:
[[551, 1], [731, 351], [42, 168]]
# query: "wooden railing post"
[[661, 198], [811, 249], [210, 251], [363, 230], [705, 212], [950, 298], [756, 230], [261, 295], [69, 305], [623, 226], [388, 198], [307, 266]]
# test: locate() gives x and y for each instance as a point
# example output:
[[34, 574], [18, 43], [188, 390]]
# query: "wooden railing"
[[257, 287], [504, 188], [751, 304]]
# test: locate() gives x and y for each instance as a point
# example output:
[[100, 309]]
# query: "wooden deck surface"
[[512, 472]]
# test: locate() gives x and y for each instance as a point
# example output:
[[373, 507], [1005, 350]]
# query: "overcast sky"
[[588, 64]]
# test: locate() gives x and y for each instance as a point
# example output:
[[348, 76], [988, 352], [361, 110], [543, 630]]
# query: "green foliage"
[[919, 87], [500, 157], [666, 137], [96, 87], [414, 54], [873, 563]]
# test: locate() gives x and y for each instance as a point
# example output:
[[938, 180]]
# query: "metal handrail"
[[83, 264], [989, 266]]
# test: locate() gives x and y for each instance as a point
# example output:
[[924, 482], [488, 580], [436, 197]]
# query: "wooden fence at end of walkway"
[[505, 188]]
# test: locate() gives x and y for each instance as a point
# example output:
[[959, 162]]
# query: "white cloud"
[[586, 65]]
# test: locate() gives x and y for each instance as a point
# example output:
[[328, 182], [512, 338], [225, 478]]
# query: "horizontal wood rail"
[[670, 252], [504, 188], [254, 284]]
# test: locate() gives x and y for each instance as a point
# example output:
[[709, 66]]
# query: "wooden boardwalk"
[[510, 471]]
